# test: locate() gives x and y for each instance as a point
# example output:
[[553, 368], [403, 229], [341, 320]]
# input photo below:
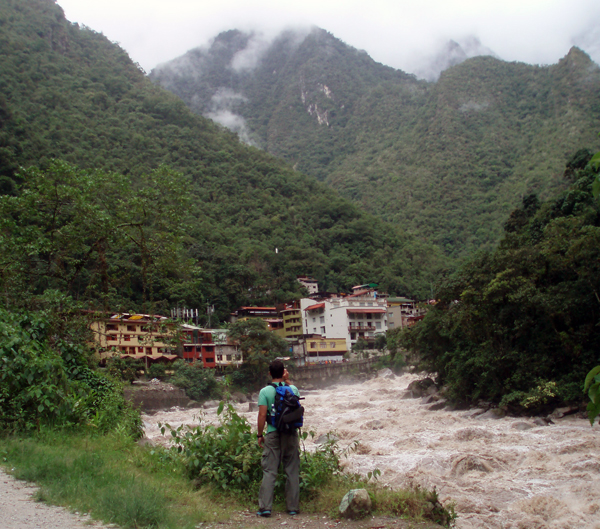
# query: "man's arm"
[[262, 420]]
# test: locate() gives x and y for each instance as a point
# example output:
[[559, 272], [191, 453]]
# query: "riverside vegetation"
[[68, 428]]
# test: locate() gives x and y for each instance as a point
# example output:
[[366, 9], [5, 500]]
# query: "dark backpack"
[[286, 415]]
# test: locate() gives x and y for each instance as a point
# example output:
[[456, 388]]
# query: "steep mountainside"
[[69, 93], [448, 160]]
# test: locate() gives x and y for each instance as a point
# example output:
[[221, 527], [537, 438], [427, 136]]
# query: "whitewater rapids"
[[498, 477]]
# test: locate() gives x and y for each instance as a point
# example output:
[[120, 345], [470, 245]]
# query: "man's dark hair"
[[276, 369]]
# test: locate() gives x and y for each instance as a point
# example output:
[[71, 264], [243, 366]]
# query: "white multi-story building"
[[361, 315]]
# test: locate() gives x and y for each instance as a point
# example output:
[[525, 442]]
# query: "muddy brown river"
[[499, 477]]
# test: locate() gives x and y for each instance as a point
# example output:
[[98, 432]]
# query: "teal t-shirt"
[[266, 397]]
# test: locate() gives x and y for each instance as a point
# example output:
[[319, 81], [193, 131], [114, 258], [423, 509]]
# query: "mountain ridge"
[[389, 141]]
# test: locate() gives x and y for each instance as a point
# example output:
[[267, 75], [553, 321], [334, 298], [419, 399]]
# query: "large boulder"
[[419, 388], [210, 404], [385, 373], [355, 504]]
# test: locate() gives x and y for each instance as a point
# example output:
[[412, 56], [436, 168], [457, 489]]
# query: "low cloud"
[[222, 110]]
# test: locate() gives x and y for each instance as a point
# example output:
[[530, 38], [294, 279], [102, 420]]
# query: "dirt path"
[[19, 510]]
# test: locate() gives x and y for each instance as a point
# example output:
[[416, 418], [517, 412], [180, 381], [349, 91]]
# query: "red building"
[[198, 345]]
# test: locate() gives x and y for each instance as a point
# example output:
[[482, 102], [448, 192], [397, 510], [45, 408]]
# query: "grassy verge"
[[113, 479], [120, 482]]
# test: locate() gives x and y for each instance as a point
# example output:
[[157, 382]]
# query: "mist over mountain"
[[69, 94], [447, 159], [451, 54]]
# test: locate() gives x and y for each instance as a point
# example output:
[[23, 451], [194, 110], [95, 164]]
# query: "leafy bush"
[[46, 381], [158, 371], [123, 369], [227, 456], [197, 381]]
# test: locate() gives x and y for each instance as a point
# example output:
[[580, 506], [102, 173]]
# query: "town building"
[[309, 283], [148, 337], [360, 316], [403, 312]]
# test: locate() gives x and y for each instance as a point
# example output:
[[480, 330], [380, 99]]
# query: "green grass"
[[117, 481], [114, 480]]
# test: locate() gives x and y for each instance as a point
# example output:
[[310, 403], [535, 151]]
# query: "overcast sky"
[[399, 33]]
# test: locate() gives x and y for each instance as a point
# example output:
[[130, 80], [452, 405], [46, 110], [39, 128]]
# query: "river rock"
[[323, 438], [385, 373], [522, 426], [210, 404], [542, 421], [238, 396], [471, 414], [559, 413], [355, 504], [252, 406], [438, 406], [494, 413], [374, 425], [194, 404], [419, 387]]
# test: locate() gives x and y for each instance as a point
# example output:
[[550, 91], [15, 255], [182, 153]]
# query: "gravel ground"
[[19, 510]]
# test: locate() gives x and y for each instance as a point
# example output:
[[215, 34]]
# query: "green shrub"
[[124, 369], [46, 382], [197, 381], [158, 371], [228, 457]]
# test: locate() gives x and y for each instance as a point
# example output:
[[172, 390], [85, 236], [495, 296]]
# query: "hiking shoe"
[[293, 513], [264, 513]]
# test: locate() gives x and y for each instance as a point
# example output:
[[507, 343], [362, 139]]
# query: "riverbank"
[[501, 472]]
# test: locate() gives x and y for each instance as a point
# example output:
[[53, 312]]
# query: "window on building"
[[126, 337], [210, 360], [313, 345], [391, 324], [228, 357], [322, 319], [219, 358], [314, 320], [148, 350], [332, 345], [322, 345], [111, 327], [131, 328], [378, 325], [353, 336], [140, 349], [369, 316], [322, 330], [314, 330]]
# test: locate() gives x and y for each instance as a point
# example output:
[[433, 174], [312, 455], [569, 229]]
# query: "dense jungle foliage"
[[151, 205], [519, 325], [448, 160], [47, 380]]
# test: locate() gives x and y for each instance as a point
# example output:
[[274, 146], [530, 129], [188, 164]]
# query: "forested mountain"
[[448, 160], [152, 203]]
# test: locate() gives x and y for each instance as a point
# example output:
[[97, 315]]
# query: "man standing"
[[277, 448]]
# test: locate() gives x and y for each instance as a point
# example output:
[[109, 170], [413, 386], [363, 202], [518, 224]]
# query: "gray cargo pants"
[[280, 448]]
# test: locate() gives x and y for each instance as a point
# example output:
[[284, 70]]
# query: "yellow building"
[[292, 322], [320, 349], [135, 335]]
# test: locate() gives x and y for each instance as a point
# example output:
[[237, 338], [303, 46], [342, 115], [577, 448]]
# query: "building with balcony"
[[359, 316], [148, 337]]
